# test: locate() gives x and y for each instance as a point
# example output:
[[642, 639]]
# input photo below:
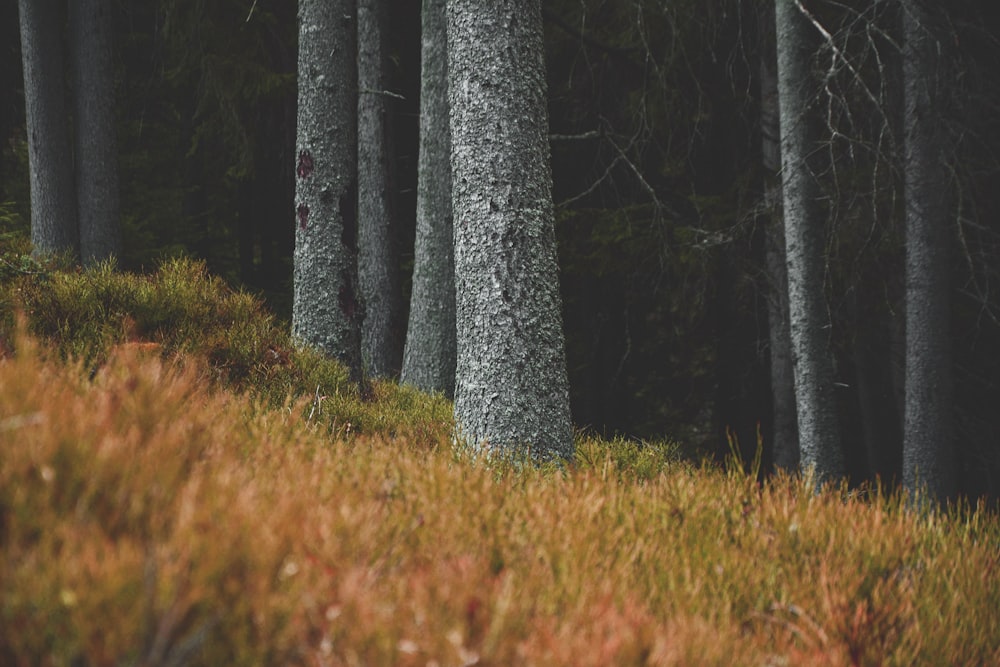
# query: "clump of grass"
[[182, 310], [635, 459], [149, 517]]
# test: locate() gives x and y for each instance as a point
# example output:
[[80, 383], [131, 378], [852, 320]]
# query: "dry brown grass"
[[149, 518]]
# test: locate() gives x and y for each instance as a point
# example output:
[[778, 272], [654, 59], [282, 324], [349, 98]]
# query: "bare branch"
[[592, 134]]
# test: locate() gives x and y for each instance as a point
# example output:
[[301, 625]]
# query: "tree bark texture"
[[429, 357], [326, 308], [785, 442], [511, 388], [94, 117], [53, 196], [928, 452], [804, 222], [378, 258]]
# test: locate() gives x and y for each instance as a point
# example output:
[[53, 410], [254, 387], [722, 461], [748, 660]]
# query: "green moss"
[[85, 314]]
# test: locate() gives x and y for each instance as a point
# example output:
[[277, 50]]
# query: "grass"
[[184, 313], [168, 505]]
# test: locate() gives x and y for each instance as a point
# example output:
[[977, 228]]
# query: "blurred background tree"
[[654, 109]]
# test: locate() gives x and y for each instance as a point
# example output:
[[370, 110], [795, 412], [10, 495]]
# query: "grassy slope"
[[200, 502]]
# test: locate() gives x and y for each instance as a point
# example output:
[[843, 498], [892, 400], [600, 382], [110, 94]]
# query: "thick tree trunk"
[[928, 452], [511, 389], [96, 143], [378, 259], [429, 358], [785, 440], [819, 440], [53, 196], [326, 308]]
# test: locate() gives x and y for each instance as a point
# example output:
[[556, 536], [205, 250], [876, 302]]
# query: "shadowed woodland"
[[658, 135], [775, 231]]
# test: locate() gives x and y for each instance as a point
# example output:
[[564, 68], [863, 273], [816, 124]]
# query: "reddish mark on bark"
[[303, 214], [305, 165]]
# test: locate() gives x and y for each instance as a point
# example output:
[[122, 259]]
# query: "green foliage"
[[198, 83], [91, 314], [15, 257], [12, 222], [637, 461], [15, 211]]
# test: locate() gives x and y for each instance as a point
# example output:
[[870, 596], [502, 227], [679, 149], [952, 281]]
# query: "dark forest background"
[[656, 154]]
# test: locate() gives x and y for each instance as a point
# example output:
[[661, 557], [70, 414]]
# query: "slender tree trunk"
[[96, 143], [246, 227], [819, 440], [53, 197], [429, 358], [785, 445], [326, 308], [511, 388], [928, 452], [378, 260]]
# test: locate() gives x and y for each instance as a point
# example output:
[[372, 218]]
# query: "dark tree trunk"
[[429, 359], [53, 194], [96, 141], [784, 436], [327, 308], [928, 438], [378, 259], [804, 218]]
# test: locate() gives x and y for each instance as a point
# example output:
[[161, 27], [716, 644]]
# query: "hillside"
[[179, 485]]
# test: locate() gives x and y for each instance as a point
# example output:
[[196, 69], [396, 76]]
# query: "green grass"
[[184, 313], [199, 502]]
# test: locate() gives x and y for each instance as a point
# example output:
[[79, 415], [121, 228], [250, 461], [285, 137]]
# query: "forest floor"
[[179, 485]]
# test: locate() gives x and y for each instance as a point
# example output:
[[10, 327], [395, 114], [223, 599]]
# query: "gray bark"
[[511, 392], [378, 259], [785, 445], [53, 197], [785, 448], [429, 358], [819, 440], [96, 145], [326, 308], [928, 452]]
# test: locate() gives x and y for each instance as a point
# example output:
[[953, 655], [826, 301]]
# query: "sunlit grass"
[[157, 509]]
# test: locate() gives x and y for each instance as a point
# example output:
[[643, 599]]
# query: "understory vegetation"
[[180, 485]]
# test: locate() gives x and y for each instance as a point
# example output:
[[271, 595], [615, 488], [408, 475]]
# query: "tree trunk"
[[928, 452], [429, 359], [378, 260], [326, 308], [785, 440], [96, 144], [819, 440], [511, 392], [53, 197]]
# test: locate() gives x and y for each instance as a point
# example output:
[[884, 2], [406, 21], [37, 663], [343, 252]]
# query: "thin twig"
[[387, 93]]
